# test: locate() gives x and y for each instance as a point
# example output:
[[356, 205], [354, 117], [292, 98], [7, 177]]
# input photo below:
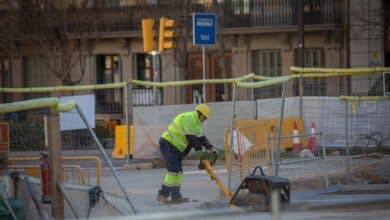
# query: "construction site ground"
[[307, 179]]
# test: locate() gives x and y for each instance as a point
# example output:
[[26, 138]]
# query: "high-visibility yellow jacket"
[[184, 132]]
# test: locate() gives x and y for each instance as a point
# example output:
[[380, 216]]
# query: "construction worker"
[[183, 134]]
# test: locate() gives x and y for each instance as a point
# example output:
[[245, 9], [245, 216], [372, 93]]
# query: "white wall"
[[328, 113]]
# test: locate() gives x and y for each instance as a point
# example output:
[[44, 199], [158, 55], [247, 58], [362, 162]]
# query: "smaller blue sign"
[[204, 29]]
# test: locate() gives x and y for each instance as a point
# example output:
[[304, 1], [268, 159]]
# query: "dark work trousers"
[[174, 167]]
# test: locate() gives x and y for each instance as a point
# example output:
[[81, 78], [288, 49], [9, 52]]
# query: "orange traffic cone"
[[313, 138], [296, 148]]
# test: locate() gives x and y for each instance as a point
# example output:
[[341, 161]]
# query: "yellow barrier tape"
[[274, 81], [268, 81], [51, 103], [258, 77], [190, 82], [64, 88], [364, 98], [338, 71], [318, 75], [64, 107]]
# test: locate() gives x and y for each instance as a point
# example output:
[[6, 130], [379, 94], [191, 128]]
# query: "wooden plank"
[[55, 170]]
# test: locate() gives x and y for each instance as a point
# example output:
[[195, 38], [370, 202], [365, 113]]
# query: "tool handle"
[[212, 162], [258, 168]]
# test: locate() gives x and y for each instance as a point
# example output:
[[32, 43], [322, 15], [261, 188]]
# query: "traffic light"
[[167, 35], [148, 34]]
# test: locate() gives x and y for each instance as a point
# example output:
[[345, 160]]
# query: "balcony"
[[269, 13], [234, 13]]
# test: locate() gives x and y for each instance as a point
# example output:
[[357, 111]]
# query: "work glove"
[[212, 150]]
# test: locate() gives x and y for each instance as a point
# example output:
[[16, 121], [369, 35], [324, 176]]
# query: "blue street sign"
[[204, 29]]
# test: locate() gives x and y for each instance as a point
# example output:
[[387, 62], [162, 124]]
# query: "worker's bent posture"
[[183, 134]]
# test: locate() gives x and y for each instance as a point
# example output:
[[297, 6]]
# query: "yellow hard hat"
[[204, 109]]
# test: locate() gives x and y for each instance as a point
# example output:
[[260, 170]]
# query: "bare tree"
[[221, 45], [44, 23]]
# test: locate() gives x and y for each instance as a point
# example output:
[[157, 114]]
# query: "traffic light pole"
[[154, 75], [204, 72]]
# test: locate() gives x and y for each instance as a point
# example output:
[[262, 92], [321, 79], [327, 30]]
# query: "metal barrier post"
[[323, 146], [280, 129], [272, 152], [128, 101], [347, 142], [231, 138]]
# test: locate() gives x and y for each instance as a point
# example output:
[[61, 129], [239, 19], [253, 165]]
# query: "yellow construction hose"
[[52, 103]]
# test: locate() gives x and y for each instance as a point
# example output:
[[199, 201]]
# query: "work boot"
[[164, 193], [179, 199], [163, 199], [176, 196]]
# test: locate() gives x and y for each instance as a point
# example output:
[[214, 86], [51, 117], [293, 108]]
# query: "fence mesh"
[[357, 126], [82, 162]]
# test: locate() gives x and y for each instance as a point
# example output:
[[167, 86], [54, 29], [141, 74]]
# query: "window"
[[320, 12], [267, 63], [37, 74], [108, 71], [314, 57], [144, 68], [241, 7], [144, 95], [144, 65], [102, 3]]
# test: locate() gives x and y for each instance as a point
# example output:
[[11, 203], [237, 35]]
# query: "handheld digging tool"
[[207, 165]]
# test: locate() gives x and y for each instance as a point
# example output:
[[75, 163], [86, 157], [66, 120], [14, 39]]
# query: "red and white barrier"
[[296, 148]]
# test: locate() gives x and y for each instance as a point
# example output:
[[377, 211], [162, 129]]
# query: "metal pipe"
[[106, 158], [301, 50], [348, 46], [204, 72], [8, 206], [272, 170], [231, 138], [127, 124], [323, 147], [280, 129]]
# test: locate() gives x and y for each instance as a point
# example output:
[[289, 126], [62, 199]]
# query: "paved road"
[[142, 186]]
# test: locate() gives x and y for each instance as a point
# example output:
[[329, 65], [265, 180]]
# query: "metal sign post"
[[204, 72], [204, 34]]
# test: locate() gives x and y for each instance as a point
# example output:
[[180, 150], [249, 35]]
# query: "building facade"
[[78, 42]]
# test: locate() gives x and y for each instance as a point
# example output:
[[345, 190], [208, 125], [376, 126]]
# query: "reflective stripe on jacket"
[[187, 123]]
